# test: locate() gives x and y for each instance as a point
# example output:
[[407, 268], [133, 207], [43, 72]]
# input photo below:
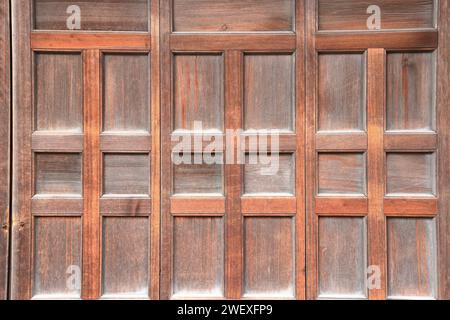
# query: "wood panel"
[[58, 87], [411, 91], [353, 15], [268, 106], [125, 257], [269, 257], [104, 15], [5, 134], [342, 92], [57, 249], [126, 92], [233, 15], [342, 258], [412, 260]]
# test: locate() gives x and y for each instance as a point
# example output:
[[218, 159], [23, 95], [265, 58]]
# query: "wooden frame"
[[5, 86]]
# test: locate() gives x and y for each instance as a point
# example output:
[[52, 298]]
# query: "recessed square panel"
[[126, 174], [269, 91], [125, 257], [101, 15], [198, 91], [411, 174], [58, 82], [342, 96], [342, 258], [58, 174], [269, 174], [195, 176], [126, 92], [57, 257], [411, 91], [198, 258], [269, 260], [412, 262], [342, 173], [233, 15]]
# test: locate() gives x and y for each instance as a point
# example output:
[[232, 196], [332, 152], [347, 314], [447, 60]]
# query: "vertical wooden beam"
[[155, 156], [166, 162], [233, 178], [375, 114], [311, 89], [300, 152], [4, 145], [91, 176], [22, 126], [443, 124]]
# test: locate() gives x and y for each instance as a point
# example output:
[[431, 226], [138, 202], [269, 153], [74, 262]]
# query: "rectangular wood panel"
[[233, 15], [269, 257], [353, 15], [102, 15], [411, 258], [342, 258], [125, 257], [57, 246]]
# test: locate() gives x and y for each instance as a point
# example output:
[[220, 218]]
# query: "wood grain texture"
[[198, 257], [126, 173], [342, 174], [58, 92], [233, 15], [376, 168], [411, 173], [198, 179], [198, 91], [126, 92], [5, 143], [411, 258], [269, 258], [269, 106], [341, 206], [411, 91], [91, 269], [408, 207], [342, 258], [343, 15], [21, 162], [341, 92], [58, 173], [105, 15], [57, 248], [125, 257]]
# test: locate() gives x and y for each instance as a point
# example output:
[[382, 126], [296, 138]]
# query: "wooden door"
[[377, 136], [86, 166], [229, 231]]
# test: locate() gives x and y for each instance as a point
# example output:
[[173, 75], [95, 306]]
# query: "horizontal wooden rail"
[[410, 142], [269, 206], [341, 142], [341, 206], [125, 207], [193, 206], [410, 207]]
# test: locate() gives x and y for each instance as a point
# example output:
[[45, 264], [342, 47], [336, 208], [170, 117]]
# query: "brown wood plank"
[[155, 219], [125, 143], [341, 206], [410, 207], [410, 142], [57, 142], [5, 112], [286, 142], [21, 182], [275, 206], [233, 255], [327, 41], [376, 218], [444, 151], [68, 41], [91, 172], [218, 42], [310, 181], [55, 206], [132, 207], [347, 142], [181, 205]]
